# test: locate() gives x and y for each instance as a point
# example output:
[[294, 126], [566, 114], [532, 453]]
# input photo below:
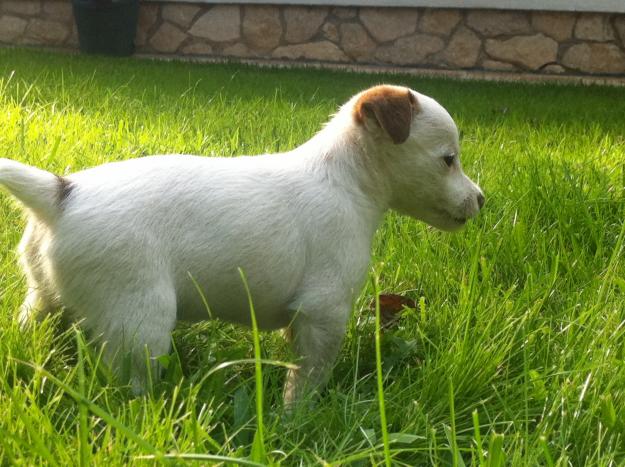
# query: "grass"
[[515, 355]]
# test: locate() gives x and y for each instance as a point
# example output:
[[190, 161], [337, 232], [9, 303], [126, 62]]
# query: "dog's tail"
[[38, 190]]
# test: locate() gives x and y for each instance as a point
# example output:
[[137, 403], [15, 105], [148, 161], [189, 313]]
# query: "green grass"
[[515, 355]]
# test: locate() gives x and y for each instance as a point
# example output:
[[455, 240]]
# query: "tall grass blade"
[[259, 453], [478, 438], [456, 458], [83, 420], [496, 454], [380, 378]]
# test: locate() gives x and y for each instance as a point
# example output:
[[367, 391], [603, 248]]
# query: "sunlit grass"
[[516, 354]]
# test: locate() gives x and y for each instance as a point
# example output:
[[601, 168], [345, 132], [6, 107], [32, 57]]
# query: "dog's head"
[[415, 141]]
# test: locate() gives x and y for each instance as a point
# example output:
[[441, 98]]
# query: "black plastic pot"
[[106, 26]]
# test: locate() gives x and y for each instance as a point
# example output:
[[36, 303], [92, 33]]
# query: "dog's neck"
[[346, 157]]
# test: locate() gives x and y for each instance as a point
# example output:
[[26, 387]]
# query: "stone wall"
[[541, 42], [42, 23]]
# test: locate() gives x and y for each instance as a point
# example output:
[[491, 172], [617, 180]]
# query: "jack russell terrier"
[[128, 248]]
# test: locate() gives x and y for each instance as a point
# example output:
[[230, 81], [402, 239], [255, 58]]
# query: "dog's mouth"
[[445, 220], [455, 219]]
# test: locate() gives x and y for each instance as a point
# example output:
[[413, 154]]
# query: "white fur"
[[125, 250]]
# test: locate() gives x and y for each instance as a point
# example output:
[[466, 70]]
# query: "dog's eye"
[[449, 159]]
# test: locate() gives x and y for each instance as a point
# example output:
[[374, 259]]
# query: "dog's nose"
[[480, 200]]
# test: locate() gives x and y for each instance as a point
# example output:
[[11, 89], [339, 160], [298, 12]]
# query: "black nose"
[[480, 200]]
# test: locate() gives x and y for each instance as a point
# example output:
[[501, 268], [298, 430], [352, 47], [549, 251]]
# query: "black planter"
[[105, 26]]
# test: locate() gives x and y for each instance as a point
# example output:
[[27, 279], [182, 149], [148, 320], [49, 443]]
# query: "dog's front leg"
[[316, 340]]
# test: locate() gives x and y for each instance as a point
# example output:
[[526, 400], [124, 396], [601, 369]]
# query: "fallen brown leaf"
[[391, 308]]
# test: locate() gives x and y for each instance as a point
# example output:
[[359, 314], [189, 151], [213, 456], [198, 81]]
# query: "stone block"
[[554, 69], [492, 23], [594, 27], [495, 65], [58, 10], [262, 28], [344, 13], [330, 31], [180, 14], [167, 38], [324, 51], [463, 49], [387, 24], [595, 58], [356, 43], [238, 50], [11, 27], [148, 15], [557, 25], [45, 32], [412, 50], [222, 23], [619, 25], [197, 48], [530, 52], [439, 21], [302, 23], [21, 7]]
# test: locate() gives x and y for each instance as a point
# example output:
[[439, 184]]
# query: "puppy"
[[131, 247]]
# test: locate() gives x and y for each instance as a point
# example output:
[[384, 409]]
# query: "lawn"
[[514, 356]]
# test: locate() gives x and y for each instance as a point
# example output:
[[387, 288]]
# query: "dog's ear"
[[390, 107]]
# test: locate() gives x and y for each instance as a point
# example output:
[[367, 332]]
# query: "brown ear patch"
[[391, 107]]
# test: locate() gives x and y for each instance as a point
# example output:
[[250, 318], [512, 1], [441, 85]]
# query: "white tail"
[[37, 189]]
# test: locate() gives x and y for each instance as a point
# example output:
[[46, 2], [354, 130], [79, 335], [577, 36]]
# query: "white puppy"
[[125, 246]]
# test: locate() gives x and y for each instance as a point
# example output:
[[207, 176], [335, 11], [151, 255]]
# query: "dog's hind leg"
[[34, 308], [40, 299], [135, 327]]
